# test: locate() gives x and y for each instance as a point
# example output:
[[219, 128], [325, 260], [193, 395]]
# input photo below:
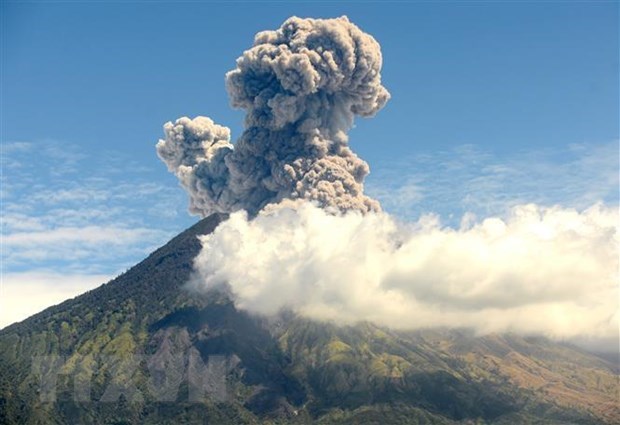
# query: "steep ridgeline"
[[145, 349]]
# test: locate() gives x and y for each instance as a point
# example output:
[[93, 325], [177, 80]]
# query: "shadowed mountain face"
[[143, 349]]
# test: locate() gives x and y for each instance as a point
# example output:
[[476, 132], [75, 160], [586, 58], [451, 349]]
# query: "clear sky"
[[493, 104]]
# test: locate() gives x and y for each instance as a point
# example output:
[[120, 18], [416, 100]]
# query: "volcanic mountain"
[[144, 348]]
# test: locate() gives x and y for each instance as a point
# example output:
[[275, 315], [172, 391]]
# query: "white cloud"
[[79, 235], [20, 221], [98, 221], [469, 179], [76, 194], [550, 271], [15, 146], [27, 293], [78, 217], [63, 245]]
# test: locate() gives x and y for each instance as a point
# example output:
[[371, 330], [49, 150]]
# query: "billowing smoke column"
[[301, 86]]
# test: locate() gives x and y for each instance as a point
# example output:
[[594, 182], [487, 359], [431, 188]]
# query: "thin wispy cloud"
[[469, 179], [62, 239], [28, 292], [67, 212]]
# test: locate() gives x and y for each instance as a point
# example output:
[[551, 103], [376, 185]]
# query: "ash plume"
[[301, 86]]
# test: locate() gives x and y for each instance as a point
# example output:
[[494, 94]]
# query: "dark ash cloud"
[[301, 86]]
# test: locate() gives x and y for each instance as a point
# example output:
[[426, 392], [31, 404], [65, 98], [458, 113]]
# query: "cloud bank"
[[301, 86], [540, 270]]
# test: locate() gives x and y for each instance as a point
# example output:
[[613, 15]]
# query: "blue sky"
[[493, 104]]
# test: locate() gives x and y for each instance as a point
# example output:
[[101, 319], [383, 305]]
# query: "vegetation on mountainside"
[[281, 370]]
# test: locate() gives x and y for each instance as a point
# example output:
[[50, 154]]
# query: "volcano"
[[143, 348]]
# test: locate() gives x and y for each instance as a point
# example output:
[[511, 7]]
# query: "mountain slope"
[[137, 330]]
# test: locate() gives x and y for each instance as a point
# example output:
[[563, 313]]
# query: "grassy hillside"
[[137, 330]]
